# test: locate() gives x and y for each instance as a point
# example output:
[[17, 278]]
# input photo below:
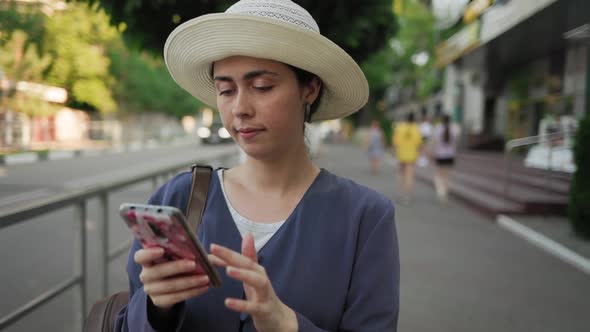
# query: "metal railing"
[[548, 139], [79, 198]]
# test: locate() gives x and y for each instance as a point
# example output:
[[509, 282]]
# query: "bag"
[[104, 312]]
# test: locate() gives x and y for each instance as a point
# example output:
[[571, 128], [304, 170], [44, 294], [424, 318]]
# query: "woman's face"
[[261, 104]]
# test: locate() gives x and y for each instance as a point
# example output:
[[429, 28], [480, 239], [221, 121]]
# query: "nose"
[[242, 107]]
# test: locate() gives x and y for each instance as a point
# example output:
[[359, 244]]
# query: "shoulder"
[[175, 192], [353, 198]]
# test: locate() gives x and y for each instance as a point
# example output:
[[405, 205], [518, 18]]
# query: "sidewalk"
[[462, 272]]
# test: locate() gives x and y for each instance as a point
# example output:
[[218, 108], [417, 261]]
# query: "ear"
[[312, 90]]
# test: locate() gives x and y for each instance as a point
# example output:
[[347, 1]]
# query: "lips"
[[249, 132]]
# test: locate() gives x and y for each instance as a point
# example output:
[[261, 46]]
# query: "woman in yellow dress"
[[407, 141]]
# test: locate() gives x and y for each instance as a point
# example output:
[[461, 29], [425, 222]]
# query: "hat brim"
[[193, 46]]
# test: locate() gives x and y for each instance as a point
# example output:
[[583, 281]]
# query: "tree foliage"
[[78, 38], [145, 85], [360, 27], [579, 207], [417, 35], [78, 49], [12, 19], [394, 65], [22, 60]]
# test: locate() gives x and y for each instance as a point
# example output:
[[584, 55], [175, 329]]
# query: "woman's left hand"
[[266, 309]]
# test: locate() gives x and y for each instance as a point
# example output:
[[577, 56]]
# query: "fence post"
[[507, 150], [81, 214], [104, 203]]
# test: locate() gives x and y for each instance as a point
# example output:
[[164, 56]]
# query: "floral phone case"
[[167, 228]]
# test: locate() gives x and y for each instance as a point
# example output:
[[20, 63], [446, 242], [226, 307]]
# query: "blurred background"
[[90, 118]]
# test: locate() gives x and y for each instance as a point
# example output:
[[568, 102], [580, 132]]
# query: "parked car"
[[214, 134]]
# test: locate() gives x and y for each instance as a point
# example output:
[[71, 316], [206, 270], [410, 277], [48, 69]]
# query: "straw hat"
[[278, 30]]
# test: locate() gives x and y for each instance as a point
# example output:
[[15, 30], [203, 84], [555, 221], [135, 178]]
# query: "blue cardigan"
[[335, 261]]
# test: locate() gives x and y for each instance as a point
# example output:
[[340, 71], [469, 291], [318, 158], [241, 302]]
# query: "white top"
[[442, 149], [262, 232], [425, 129]]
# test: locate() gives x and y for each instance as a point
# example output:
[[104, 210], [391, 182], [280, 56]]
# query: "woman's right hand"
[[171, 282]]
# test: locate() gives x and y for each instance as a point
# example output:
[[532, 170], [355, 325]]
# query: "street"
[[459, 270]]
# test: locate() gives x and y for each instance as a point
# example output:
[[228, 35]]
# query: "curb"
[[544, 243], [38, 156]]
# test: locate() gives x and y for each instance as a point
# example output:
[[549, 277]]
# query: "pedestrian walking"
[[375, 146], [443, 146], [407, 141], [298, 248]]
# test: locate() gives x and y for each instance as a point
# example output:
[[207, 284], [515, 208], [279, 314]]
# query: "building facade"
[[516, 68]]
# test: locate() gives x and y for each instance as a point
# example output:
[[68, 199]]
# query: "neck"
[[280, 175]]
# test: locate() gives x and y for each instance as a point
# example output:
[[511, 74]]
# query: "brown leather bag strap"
[[198, 195]]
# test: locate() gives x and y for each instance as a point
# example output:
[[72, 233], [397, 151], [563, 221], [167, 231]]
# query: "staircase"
[[479, 178]]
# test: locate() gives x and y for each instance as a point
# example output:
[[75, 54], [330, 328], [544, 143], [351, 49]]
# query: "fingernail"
[[191, 265]]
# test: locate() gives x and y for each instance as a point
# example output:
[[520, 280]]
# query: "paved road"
[[460, 271], [22, 183]]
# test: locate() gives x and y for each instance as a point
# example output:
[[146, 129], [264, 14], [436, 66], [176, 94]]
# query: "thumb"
[[248, 248]]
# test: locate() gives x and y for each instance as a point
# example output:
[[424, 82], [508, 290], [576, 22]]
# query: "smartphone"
[[167, 228]]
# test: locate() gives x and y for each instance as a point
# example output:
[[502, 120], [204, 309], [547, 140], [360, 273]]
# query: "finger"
[[148, 255], [249, 277], [168, 300], [166, 270], [175, 285], [233, 258], [217, 261], [248, 307], [248, 248]]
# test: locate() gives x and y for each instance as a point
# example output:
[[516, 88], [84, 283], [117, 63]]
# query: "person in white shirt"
[[426, 131]]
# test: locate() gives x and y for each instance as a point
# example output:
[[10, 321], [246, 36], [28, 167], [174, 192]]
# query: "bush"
[[579, 207]]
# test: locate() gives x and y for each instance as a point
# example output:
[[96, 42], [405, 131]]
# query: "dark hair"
[[410, 118], [447, 133], [305, 78]]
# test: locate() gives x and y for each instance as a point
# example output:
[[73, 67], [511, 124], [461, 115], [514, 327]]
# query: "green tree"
[[21, 60], [78, 38], [144, 85], [14, 18], [406, 61], [579, 207], [415, 42]]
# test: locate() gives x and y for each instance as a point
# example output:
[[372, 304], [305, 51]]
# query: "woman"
[[407, 141], [298, 248], [443, 147], [375, 146]]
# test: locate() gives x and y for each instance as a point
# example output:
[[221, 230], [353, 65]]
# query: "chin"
[[260, 152]]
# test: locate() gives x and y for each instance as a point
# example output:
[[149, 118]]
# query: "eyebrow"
[[247, 76]]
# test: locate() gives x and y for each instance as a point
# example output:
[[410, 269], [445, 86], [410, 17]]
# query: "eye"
[[263, 88], [226, 92]]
